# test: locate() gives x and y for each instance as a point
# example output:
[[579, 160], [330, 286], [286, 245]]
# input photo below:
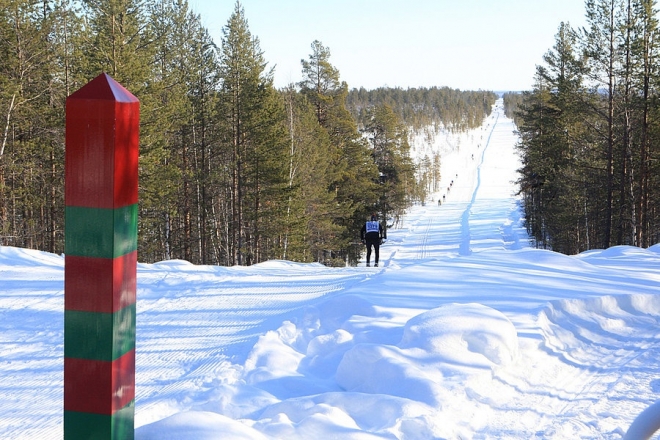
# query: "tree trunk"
[[607, 233]]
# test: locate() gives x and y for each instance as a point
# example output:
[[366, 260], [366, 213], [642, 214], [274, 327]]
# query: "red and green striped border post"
[[101, 195]]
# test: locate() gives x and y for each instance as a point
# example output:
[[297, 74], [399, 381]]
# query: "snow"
[[464, 331]]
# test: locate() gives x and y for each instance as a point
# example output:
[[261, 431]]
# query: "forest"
[[232, 171], [418, 108], [590, 132]]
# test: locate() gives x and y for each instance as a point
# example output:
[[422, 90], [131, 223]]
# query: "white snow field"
[[463, 332]]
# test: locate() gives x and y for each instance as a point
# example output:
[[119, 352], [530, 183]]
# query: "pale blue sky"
[[464, 44]]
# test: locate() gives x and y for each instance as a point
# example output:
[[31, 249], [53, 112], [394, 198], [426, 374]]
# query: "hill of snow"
[[465, 331]]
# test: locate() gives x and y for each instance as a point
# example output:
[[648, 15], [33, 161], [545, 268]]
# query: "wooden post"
[[101, 195]]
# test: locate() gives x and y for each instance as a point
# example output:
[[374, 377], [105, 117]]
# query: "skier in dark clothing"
[[372, 235]]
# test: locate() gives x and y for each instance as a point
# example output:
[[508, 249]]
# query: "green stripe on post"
[[99, 336], [99, 232]]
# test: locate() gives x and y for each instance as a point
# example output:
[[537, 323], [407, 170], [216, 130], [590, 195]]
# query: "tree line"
[[232, 171], [590, 132], [418, 108]]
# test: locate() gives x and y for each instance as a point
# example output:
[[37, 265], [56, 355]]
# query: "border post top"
[[104, 87]]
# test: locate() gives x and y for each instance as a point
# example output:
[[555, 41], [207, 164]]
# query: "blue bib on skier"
[[372, 227]]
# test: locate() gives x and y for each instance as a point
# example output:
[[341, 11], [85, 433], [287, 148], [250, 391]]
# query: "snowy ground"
[[463, 332]]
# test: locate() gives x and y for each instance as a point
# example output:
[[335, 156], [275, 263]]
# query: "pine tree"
[[118, 42], [176, 135], [558, 151], [391, 153], [253, 118], [354, 170], [644, 53], [601, 49], [588, 133], [31, 130], [203, 82], [320, 82], [311, 208]]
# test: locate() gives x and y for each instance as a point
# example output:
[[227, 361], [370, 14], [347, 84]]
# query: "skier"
[[372, 235]]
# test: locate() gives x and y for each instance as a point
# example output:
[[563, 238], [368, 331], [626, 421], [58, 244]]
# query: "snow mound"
[[198, 425], [17, 257], [384, 416], [174, 264], [284, 264], [622, 252], [624, 257], [387, 370], [435, 344], [550, 259], [272, 356], [458, 331]]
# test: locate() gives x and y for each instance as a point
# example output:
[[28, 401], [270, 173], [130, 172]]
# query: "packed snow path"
[[463, 332]]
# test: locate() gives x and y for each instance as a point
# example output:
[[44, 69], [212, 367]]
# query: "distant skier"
[[372, 235]]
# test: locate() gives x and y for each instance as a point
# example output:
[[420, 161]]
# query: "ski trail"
[[470, 217], [422, 249], [465, 248]]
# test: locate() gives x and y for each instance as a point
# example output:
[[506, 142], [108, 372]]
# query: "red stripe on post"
[[100, 284], [102, 128], [99, 387]]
